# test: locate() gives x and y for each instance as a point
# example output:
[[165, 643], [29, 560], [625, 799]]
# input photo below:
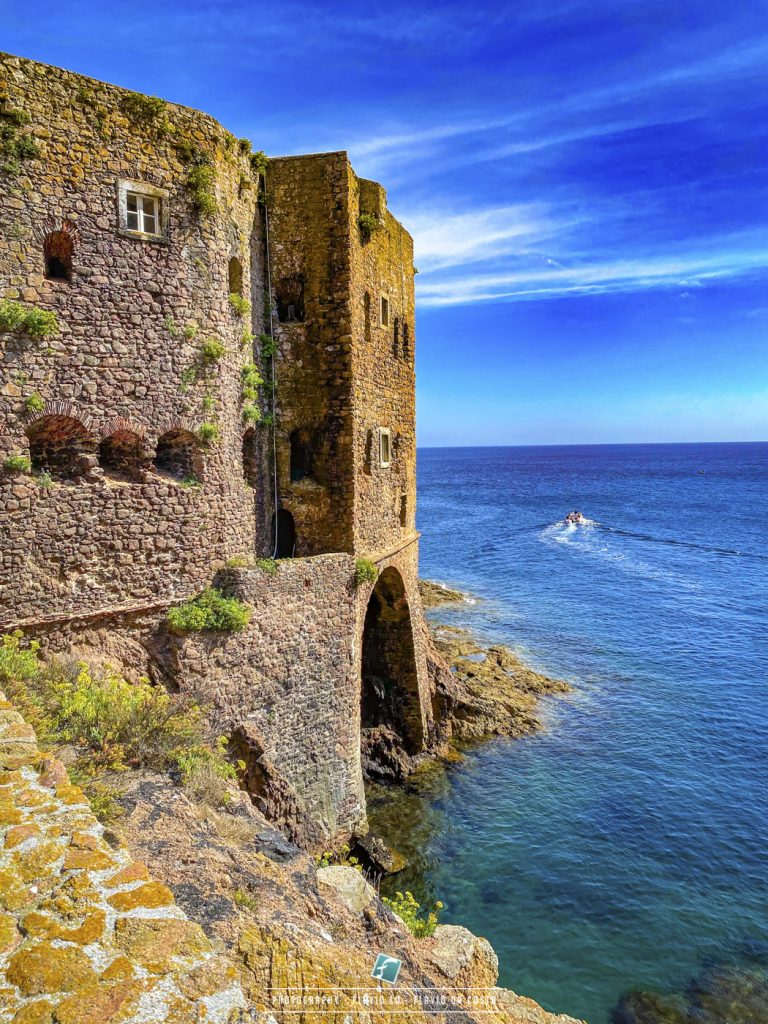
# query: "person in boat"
[[575, 518]]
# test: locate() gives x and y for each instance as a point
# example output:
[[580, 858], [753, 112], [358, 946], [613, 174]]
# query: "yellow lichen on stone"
[[105, 1003], [153, 894], [38, 863], [153, 943], [18, 833], [87, 860], [135, 872], [120, 969], [9, 933], [46, 969], [39, 1012], [13, 895]]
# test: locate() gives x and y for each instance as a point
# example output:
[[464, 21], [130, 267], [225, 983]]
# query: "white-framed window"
[[384, 315], [385, 447], [142, 209], [142, 213]]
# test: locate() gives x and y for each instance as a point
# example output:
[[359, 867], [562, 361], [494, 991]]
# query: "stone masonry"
[[134, 469], [85, 933]]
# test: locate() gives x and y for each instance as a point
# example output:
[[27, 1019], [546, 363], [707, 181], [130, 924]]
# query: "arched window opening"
[[283, 534], [302, 455], [58, 250], [403, 510], [121, 455], [290, 299], [390, 705], [406, 340], [250, 458], [396, 337], [367, 316], [61, 446], [178, 456], [235, 276]]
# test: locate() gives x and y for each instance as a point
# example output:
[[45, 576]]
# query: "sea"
[[619, 858]]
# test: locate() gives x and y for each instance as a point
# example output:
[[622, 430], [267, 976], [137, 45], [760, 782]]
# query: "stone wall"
[[85, 933], [309, 249], [126, 509], [286, 690], [383, 365], [125, 367]]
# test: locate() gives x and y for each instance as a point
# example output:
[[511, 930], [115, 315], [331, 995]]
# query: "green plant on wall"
[[259, 161], [201, 178], [251, 379], [208, 433], [15, 146], [34, 402], [17, 464], [32, 320], [212, 350], [210, 610], [240, 306], [365, 571], [147, 111], [368, 225], [268, 346]]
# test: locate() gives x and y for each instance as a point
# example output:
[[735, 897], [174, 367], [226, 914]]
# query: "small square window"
[[384, 311], [142, 213], [385, 447], [142, 209]]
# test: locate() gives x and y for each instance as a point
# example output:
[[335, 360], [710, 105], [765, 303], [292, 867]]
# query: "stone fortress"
[[139, 466]]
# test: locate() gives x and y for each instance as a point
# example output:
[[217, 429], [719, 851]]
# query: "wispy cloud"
[[445, 240], [527, 282]]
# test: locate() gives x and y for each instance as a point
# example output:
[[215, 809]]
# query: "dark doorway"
[[58, 250], [302, 455], [283, 534], [250, 458], [390, 707]]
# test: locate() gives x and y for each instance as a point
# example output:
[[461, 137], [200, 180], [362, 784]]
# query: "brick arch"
[[61, 442], [177, 423], [122, 452], [122, 425], [178, 453], [52, 224], [57, 407]]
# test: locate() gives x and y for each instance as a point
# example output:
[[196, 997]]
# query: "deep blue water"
[[628, 843]]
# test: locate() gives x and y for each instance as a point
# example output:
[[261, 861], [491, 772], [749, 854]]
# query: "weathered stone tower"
[[139, 465]]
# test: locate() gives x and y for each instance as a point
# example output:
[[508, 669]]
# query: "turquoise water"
[[625, 847]]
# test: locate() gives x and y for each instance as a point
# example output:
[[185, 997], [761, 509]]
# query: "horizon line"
[[584, 444]]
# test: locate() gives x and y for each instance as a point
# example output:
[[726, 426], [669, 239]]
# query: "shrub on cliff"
[[409, 909], [210, 610], [113, 724]]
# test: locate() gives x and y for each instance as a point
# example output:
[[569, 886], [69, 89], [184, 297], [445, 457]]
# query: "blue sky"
[[586, 183]]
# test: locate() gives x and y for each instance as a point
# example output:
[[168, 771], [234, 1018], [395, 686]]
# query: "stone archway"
[[392, 727]]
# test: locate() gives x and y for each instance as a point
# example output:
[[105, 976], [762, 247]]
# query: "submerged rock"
[[434, 594], [381, 858], [490, 692]]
